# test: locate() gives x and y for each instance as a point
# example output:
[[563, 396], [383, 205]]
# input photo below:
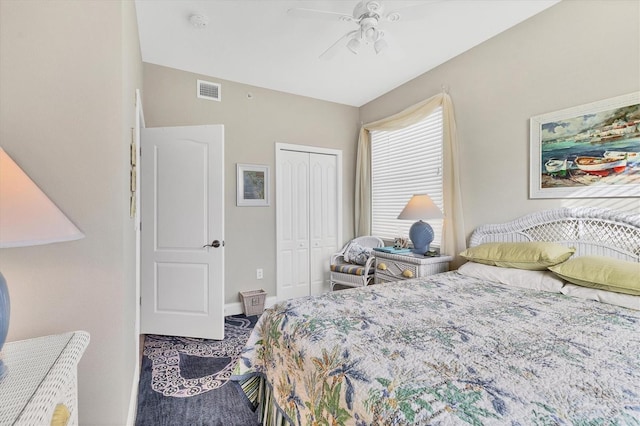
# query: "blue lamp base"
[[4, 319], [421, 234]]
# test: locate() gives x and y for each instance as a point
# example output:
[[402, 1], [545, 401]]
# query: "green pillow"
[[533, 256], [604, 273]]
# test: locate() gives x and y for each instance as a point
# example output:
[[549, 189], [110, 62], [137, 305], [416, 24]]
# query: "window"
[[403, 163]]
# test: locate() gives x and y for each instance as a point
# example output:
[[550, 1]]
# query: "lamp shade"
[[27, 218], [419, 207]]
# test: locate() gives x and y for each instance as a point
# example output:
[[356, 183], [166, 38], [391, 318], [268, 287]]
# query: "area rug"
[[185, 381]]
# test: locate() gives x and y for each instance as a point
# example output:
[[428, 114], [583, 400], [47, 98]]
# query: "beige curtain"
[[453, 237]]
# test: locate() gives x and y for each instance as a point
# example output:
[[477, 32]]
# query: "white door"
[[293, 224], [308, 217], [182, 235], [323, 219]]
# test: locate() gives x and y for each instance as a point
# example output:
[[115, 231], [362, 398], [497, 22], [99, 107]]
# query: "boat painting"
[[632, 157], [592, 150], [556, 167], [601, 166]]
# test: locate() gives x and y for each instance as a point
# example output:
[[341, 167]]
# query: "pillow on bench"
[[355, 253]]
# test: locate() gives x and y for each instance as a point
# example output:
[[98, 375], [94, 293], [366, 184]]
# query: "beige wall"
[[252, 127], [574, 53], [67, 74]]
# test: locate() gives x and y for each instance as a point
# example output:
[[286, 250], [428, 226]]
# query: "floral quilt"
[[448, 349]]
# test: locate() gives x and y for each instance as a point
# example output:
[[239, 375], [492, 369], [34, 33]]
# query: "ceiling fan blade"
[[333, 49], [322, 14], [411, 13]]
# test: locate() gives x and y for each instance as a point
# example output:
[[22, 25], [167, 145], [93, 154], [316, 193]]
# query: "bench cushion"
[[348, 268]]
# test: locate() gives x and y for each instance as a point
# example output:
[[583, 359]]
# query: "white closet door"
[[308, 217], [323, 218], [293, 224]]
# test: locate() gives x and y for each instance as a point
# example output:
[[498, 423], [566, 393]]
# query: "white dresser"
[[42, 375]]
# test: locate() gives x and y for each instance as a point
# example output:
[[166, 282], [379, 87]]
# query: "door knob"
[[214, 244]]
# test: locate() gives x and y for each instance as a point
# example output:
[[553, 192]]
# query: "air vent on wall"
[[208, 90]]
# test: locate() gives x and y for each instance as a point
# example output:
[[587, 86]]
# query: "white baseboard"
[[236, 308], [133, 398]]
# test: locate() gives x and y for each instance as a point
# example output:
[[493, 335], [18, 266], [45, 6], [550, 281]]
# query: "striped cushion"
[[347, 268]]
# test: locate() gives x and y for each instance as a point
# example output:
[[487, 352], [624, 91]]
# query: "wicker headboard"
[[592, 231]]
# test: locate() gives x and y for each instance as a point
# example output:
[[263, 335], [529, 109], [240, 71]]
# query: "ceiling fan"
[[368, 16]]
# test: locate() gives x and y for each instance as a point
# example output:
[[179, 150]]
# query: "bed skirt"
[[260, 393]]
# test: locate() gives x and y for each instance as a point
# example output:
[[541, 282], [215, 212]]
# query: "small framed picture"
[[253, 185]]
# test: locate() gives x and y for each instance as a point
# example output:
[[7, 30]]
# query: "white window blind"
[[403, 163]]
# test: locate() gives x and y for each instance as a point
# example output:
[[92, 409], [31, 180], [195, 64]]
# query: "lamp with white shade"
[[27, 218], [420, 207]]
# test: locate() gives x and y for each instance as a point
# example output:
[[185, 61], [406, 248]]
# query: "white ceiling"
[[257, 42]]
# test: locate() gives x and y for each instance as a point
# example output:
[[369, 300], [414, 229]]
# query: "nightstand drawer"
[[382, 278], [397, 267], [393, 270]]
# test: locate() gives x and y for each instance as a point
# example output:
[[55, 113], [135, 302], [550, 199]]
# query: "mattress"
[[446, 349]]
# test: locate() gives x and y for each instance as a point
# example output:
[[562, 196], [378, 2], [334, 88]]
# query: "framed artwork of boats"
[[587, 151]]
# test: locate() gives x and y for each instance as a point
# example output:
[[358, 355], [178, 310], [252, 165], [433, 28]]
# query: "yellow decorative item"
[[382, 266], [407, 273], [60, 416]]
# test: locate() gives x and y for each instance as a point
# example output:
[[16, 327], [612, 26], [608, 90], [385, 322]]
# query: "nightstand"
[[41, 379], [396, 267]]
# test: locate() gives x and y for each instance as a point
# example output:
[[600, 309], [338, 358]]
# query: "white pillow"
[[535, 280], [619, 299]]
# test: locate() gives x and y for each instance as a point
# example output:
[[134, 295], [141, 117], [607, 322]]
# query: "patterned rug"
[[186, 380]]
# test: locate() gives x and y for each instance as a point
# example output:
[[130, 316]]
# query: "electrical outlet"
[[259, 274]]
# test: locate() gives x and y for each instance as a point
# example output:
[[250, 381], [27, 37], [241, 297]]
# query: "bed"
[[462, 348]]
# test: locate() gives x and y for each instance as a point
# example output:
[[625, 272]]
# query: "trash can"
[[253, 301]]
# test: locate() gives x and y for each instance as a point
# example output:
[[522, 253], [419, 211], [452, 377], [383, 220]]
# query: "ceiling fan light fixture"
[[394, 17], [370, 17], [369, 29], [374, 6], [371, 34], [354, 45], [380, 45]]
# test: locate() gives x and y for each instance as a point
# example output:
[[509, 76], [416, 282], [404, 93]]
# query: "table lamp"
[[419, 207], [27, 218]]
